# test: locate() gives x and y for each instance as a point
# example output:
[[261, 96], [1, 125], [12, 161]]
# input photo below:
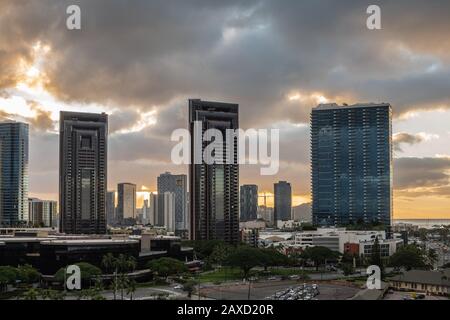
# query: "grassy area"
[[228, 274]]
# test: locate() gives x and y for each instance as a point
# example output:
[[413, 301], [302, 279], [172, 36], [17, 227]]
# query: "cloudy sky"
[[140, 61]]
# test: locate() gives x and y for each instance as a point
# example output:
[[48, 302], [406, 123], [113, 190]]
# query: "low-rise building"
[[428, 282]]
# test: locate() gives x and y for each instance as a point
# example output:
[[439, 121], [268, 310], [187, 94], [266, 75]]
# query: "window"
[[86, 142]]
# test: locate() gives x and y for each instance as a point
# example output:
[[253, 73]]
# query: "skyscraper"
[[13, 173], [126, 201], [176, 184], [162, 210], [83, 172], [249, 202], [110, 207], [214, 188], [351, 157], [42, 213], [282, 202]]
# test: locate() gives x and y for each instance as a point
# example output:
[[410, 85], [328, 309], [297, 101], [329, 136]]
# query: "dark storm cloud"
[[406, 138], [148, 53], [422, 173], [138, 57]]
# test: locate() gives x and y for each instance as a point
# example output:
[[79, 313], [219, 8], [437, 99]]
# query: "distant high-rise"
[[110, 207], [351, 158], [126, 201], [214, 188], [42, 213], [176, 184], [162, 209], [283, 201], [13, 173], [83, 142], [249, 202]]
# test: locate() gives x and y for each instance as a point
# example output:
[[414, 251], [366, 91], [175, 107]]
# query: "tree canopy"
[[409, 257], [165, 267], [319, 255]]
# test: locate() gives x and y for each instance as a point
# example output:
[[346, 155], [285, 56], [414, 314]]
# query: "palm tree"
[[109, 262], [131, 288], [122, 284]]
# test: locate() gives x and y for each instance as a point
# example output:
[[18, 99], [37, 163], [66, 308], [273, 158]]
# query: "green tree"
[[348, 269], [319, 255], [8, 275], [31, 294], [165, 267], [219, 254], [131, 288], [245, 258], [432, 256], [375, 257], [272, 258], [28, 274], [189, 287], [109, 263], [409, 257]]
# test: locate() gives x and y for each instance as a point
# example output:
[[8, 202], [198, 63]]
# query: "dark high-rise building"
[[176, 184], [214, 188], [83, 172], [249, 202], [282, 201], [126, 201], [13, 173], [351, 157], [110, 207]]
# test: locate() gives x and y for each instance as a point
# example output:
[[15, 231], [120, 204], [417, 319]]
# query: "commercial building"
[[351, 159], [249, 202], [283, 201], [162, 210], [49, 253], [83, 172], [42, 213], [176, 184], [14, 173], [214, 188], [110, 207], [126, 201]]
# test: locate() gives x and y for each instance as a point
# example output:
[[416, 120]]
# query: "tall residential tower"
[[351, 158], [214, 188], [83, 172], [13, 173]]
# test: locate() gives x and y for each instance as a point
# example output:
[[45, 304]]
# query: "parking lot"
[[262, 290]]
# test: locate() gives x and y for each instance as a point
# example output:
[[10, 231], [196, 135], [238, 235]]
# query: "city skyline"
[[257, 54]]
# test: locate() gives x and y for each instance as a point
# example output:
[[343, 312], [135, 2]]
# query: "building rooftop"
[[441, 278], [89, 241], [333, 106]]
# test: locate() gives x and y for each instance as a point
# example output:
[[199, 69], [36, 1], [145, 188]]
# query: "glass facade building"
[[13, 173], [214, 188], [351, 158], [126, 201], [282, 201], [83, 172], [249, 202]]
